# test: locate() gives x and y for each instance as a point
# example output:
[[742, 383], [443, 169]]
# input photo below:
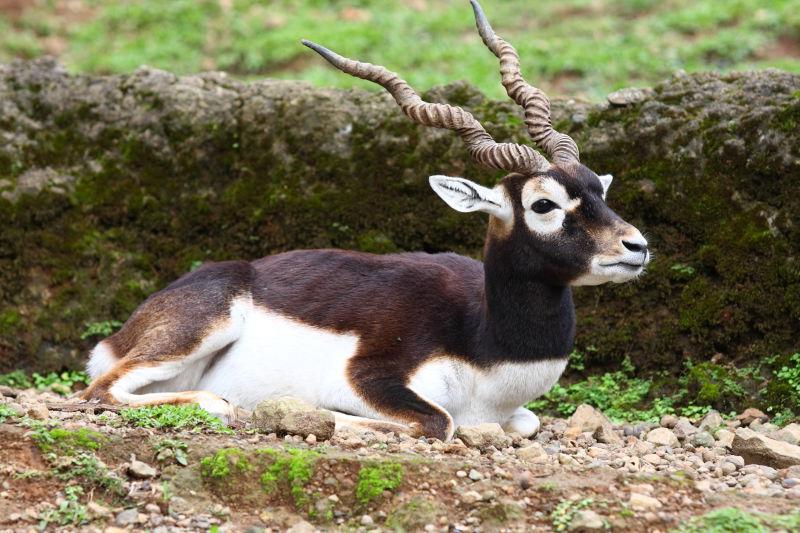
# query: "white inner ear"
[[605, 181], [466, 196]]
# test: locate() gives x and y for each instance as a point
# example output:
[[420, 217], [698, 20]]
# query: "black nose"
[[634, 247]]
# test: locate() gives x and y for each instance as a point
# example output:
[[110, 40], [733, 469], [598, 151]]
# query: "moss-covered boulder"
[[110, 187]]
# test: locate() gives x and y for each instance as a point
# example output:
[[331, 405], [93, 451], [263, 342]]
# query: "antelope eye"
[[543, 206]]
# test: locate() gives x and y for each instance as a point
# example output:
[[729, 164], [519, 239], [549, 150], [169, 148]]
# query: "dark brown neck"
[[525, 318]]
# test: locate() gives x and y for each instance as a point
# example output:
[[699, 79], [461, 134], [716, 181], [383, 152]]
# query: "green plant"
[[732, 520], [374, 479], [172, 449], [187, 416], [16, 379], [70, 512], [223, 463], [295, 468], [100, 329], [6, 412], [87, 468], [62, 441], [565, 511], [791, 373]]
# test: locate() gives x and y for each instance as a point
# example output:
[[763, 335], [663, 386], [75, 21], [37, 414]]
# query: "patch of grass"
[[293, 468], [731, 520], [187, 416], [70, 511], [100, 329], [6, 412], [223, 463], [88, 469], [172, 449], [564, 512], [63, 442], [374, 479], [572, 46]]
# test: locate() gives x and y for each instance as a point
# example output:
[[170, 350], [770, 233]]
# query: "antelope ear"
[[466, 196], [605, 181]]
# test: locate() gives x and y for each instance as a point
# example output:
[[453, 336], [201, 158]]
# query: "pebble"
[[662, 437], [643, 502], [128, 517], [474, 475]]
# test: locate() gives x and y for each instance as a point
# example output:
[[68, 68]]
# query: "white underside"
[[267, 355]]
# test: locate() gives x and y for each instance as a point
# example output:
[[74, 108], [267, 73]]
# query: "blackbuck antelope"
[[408, 342]]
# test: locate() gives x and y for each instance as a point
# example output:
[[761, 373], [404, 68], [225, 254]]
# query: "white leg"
[[523, 421]]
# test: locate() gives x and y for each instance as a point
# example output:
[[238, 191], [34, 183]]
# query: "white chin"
[[613, 274]]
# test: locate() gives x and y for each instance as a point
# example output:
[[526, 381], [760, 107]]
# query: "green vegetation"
[[187, 416], [223, 463], [70, 453], [293, 468], [172, 449], [374, 479], [570, 46], [70, 512], [58, 382], [731, 520], [622, 395], [6, 412], [62, 441], [565, 511], [100, 329]]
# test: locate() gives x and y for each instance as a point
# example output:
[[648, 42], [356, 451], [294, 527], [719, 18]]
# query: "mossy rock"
[[112, 186]]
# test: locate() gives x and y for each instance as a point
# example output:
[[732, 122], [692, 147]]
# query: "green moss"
[[293, 468], [224, 463], [712, 384], [374, 479], [64, 441]]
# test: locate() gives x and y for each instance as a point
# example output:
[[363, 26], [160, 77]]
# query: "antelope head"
[[548, 218]]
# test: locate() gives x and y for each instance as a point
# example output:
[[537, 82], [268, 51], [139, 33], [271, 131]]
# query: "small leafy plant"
[[187, 416], [175, 449], [70, 512], [100, 329], [6, 412], [374, 479], [565, 511]]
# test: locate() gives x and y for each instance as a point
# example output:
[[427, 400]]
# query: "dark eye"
[[543, 206]]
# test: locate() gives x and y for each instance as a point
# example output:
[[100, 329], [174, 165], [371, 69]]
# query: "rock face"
[[113, 186], [290, 416], [762, 450]]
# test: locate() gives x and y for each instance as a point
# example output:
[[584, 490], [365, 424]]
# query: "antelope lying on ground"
[[409, 342]]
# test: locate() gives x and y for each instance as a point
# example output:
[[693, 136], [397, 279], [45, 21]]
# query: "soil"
[[443, 487]]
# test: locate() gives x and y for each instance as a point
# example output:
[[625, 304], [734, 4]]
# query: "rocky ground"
[[100, 470]]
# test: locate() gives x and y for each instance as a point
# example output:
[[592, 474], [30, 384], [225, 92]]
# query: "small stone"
[[311, 439], [367, 520], [702, 438], [642, 502], [98, 511], [470, 497], [586, 520], [301, 527], [38, 411], [628, 96], [684, 429], [483, 436], [572, 433], [668, 421], [474, 475], [711, 421], [534, 452], [461, 473], [128, 517], [728, 468], [748, 416], [112, 529], [725, 438], [790, 482], [139, 470], [589, 419], [662, 437]]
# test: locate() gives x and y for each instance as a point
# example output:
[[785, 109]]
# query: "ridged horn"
[[559, 146], [505, 156]]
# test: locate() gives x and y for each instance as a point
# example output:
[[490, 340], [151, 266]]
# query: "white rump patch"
[[101, 360], [548, 189]]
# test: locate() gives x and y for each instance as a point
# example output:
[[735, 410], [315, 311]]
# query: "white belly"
[[473, 395], [276, 356]]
